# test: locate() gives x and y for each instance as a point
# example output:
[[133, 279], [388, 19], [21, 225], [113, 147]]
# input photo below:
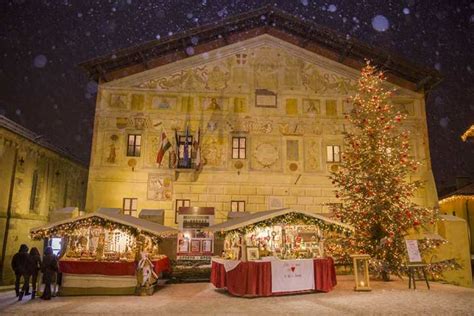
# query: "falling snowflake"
[[444, 122], [380, 23], [91, 87], [406, 11], [190, 50], [40, 61], [332, 8]]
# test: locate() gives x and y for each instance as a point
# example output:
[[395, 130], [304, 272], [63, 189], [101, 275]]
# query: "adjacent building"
[[253, 108], [36, 179]]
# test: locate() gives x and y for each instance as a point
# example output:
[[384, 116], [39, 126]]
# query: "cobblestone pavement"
[[387, 298]]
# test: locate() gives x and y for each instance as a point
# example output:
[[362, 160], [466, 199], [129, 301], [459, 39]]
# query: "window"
[[237, 206], [130, 206], [182, 163], [333, 153], [178, 204], [34, 186], [239, 145], [56, 244], [134, 145]]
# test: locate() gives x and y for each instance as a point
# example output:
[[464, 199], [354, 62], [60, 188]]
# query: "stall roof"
[[109, 210], [253, 218], [142, 224], [66, 210]]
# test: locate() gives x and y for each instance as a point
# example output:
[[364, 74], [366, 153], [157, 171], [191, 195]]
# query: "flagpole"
[[176, 145]]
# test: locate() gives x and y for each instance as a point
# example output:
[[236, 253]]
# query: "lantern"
[[361, 272]]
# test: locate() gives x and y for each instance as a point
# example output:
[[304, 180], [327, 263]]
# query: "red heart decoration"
[[293, 269]]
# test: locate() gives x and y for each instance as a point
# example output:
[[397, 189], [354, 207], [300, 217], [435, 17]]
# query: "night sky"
[[42, 42]]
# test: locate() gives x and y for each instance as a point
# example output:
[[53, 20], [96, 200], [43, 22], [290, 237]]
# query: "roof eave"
[[269, 18]]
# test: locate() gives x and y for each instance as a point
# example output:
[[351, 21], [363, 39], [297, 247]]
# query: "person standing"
[[19, 263], [34, 265], [49, 268]]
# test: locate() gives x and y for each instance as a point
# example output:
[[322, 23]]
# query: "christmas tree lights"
[[372, 181]]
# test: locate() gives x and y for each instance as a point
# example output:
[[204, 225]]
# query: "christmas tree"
[[373, 181]]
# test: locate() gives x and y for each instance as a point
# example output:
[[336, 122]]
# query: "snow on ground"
[[387, 298]]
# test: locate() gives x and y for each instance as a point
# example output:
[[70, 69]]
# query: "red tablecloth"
[[255, 278], [109, 268]]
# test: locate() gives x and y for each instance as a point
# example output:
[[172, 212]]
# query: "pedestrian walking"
[[33, 268], [19, 263], [49, 268]]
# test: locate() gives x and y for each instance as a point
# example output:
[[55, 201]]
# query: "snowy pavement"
[[386, 298]]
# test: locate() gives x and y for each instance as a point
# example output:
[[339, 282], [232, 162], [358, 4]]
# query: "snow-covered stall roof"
[[257, 217], [126, 220]]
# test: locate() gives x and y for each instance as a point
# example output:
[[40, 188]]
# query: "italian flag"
[[165, 145]]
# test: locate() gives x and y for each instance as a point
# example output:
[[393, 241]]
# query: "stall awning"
[[257, 217], [127, 220]]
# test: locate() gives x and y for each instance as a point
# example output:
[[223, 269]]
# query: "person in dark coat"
[[49, 268], [34, 265], [19, 263]]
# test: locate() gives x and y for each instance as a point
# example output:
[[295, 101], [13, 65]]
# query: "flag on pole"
[[177, 150], [186, 157], [197, 150], [165, 145]]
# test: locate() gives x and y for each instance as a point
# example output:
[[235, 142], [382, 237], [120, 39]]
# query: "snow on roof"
[[152, 212], [142, 224], [253, 218], [109, 210], [66, 210]]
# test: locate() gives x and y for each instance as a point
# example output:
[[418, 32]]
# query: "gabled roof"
[[266, 20], [40, 140], [256, 217], [127, 220], [464, 193], [465, 190]]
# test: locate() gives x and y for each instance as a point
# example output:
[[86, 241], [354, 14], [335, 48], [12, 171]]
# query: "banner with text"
[[292, 275]]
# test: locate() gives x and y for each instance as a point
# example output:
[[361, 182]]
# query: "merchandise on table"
[[284, 234], [119, 248], [276, 252]]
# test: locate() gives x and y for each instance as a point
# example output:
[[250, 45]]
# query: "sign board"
[[412, 250], [265, 98], [292, 275], [192, 240]]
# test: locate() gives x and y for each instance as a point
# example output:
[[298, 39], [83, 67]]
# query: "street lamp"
[[361, 272]]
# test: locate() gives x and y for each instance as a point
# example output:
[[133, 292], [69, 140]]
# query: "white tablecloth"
[[292, 275], [228, 264]]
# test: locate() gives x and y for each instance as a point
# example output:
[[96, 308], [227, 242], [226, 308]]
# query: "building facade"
[[36, 178], [255, 108]]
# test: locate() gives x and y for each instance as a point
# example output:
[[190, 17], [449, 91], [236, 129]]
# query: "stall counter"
[[102, 277], [273, 277], [109, 268]]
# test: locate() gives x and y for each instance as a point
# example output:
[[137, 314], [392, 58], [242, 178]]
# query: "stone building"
[[261, 96], [36, 179]]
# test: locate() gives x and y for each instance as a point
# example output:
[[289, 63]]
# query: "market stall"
[[106, 254], [275, 252]]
